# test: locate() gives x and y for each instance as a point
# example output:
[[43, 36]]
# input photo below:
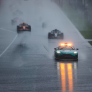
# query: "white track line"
[[8, 46], [88, 39], [7, 30]]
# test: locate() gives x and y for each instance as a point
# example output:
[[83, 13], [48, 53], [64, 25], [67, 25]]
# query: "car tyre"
[[30, 28], [76, 57], [56, 59], [18, 29], [49, 35]]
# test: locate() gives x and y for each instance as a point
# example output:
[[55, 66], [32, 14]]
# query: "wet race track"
[[27, 60]]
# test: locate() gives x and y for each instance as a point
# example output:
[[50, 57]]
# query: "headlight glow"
[[58, 51], [75, 52]]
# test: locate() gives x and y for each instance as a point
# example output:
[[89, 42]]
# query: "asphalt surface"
[[26, 60]]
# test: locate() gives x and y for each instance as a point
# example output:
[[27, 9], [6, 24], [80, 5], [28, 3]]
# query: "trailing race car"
[[23, 27], [55, 34], [66, 51]]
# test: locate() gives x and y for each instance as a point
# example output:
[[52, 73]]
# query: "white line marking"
[[88, 39], [7, 30], [8, 46]]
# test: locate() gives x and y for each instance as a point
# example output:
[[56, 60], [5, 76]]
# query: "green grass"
[[87, 34], [90, 42], [82, 24]]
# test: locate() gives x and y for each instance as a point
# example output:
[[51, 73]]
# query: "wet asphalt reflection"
[[27, 60]]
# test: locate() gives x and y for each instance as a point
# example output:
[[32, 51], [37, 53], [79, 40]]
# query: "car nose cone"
[[55, 34]]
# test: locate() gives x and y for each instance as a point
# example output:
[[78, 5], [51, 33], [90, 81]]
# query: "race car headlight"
[[75, 52], [58, 51]]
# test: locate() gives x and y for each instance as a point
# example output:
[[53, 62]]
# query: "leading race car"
[[66, 52], [55, 34], [23, 27]]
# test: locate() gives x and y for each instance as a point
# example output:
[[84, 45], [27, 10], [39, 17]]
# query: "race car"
[[66, 52], [23, 27], [55, 34]]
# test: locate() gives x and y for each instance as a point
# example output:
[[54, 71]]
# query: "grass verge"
[[82, 24], [87, 34], [90, 42]]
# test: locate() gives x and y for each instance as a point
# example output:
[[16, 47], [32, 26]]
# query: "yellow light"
[[62, 44], [66, 44], [69, 44]]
